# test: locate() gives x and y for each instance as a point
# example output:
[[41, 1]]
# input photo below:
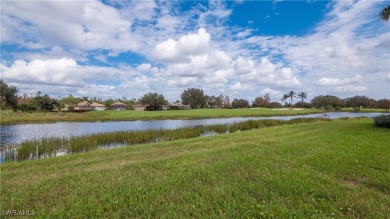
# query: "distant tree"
[[129, 102], [95, 99], [327, 101], [194, 97], [222, 101], [275, 105], [108, 102], [291, 94], [284, 98], [302, 95], [226, 102], [359, 101], [267, 100], [70, 102], [262, 101], [240, 103], [384, 15], [212, 101], [9, 96], [219, 101], [383, 104], [258, 102], [153, 99], [25, 103], [299, 105], [44, 102]]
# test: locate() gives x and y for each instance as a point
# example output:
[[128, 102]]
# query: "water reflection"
[[15, 134]]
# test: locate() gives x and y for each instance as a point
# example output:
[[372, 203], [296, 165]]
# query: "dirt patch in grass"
[[350, 182]]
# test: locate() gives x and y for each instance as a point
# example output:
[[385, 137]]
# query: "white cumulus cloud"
[[172, 51], [337, 81], [81, 25]]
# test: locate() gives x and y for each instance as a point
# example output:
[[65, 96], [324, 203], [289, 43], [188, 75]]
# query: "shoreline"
[[146, 117], [112, 116]]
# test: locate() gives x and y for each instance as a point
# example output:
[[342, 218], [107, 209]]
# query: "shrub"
[[337, 108], [356, 109], [275, 105], [382, 121], [328, 107]]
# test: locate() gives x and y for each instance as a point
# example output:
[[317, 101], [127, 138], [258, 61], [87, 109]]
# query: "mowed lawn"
[[9, 117], [203, 113], [337, 169]]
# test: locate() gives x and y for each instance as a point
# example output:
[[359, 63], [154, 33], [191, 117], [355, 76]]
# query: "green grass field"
[[335, 169], [201, 113], [365, 110], [9, 117]]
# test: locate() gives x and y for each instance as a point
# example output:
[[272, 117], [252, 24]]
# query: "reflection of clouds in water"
[[13, 134]]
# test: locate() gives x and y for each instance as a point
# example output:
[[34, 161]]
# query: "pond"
[[15, 134]]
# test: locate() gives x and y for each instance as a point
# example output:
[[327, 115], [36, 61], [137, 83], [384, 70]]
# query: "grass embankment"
[[9, 117], [365, 110], [328, 169]]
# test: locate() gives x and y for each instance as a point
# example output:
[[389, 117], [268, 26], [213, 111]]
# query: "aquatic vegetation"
[[48, 147]]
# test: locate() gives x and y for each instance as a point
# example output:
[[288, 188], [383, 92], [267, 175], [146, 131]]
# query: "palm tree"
[[302, 95], [291, 94], [385, 14], [284, 98]]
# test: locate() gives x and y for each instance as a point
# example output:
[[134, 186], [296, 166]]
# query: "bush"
[[382, 121], [275, 105], [328, 107], [356, 109], [337, 108]]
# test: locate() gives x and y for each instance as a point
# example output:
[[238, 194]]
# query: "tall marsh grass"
[[48, 147]]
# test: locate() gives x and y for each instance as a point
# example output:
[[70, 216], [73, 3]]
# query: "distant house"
[[90, 106], [140, 107], [68, 107], [150, 107], [156, 107], [119, 106], [178, 106]]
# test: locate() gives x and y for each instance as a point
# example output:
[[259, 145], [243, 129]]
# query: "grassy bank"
[[327, 169], [9, 117], [365, 110]]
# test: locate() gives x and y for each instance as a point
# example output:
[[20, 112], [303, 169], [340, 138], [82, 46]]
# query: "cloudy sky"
[[240, 48]]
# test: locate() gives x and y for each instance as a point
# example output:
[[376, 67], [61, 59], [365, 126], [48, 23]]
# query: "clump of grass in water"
[[47, 147], [220, 129]]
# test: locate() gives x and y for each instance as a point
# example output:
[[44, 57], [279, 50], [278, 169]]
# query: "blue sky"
[[243, 49], [279, 18]]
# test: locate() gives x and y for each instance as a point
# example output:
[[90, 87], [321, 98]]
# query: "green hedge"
[[382, 121]]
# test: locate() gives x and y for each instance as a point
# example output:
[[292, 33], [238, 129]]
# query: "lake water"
[[14, 134]]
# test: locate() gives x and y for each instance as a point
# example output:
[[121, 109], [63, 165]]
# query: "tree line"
[[194, 98]]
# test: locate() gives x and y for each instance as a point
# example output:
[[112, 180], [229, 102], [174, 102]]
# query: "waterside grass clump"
[[48, 147]]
